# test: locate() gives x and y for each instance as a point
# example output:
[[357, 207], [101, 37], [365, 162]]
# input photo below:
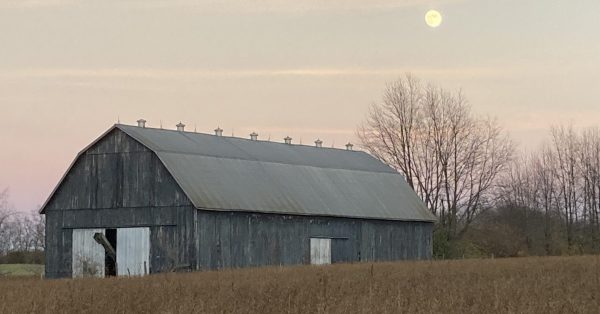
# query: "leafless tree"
[[19, 232], [589, 170], [5, 214], [449, 156], [4, 207], [561, 180], [38, 231], [566, 146], [543, 169], [531, 186]]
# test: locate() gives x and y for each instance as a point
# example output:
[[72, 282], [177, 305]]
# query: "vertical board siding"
[[186, 233], [53, 244], [117, 172], [239, 239], [120, 183], [164, 248], [171, 235], [88, 256], [133, 251], [342, 251]]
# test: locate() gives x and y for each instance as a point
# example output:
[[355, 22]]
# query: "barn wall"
[[234, 239], [119, 183]]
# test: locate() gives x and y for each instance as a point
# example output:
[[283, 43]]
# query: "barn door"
[[133, 251], [320, 251], [87, 255]]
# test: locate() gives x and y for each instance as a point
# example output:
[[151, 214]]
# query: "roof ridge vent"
[[318, 143], [218, 131], [254, 136], [349, 146], [181, 127], [141, 123], [288, 140]]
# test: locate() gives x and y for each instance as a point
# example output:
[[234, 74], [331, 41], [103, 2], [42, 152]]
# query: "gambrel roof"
[[234, 174]]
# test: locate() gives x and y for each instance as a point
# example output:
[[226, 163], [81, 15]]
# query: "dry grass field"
[[520, 285]]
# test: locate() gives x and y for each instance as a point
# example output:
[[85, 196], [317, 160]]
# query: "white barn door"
[[87, 255], [133, 251], [320, 251]]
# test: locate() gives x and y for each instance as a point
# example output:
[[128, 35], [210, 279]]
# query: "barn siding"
[[119, 183], [125, 174], [171, 235], [239, 239]]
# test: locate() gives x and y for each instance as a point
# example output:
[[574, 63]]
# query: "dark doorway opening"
[[109, 262]]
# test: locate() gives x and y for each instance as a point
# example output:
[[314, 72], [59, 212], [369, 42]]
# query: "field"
[[520, 285], [21, 270]]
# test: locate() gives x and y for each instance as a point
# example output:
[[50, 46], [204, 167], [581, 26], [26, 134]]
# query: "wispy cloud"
[[37, 4], [284, 5], [171, 74], [302, 131], [231, 5]]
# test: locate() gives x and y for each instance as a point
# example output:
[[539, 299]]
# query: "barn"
[[142, 200]]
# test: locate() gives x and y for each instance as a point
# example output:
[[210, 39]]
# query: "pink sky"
[[69, 69]]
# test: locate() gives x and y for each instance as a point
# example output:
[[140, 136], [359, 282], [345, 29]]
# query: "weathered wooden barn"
[[140, 200]]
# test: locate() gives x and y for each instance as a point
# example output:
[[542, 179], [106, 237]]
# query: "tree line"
[[557, 189], [489, 199], [22, 235]]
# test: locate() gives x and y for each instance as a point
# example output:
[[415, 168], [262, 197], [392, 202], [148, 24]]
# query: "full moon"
[[433, 18]]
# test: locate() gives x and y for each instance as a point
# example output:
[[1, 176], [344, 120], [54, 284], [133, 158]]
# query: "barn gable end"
[[117, 182], [116, 171]]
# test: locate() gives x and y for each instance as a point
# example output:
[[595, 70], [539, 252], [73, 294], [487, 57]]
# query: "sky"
[[70, 69]]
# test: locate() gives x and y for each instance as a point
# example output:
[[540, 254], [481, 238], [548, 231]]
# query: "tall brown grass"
[[519, 285]]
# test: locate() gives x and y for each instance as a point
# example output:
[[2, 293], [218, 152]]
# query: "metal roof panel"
[[234, 174]]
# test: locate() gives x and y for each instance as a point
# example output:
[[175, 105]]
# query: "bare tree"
[[562, 181], [543, 168], [38, 231], [566, 146], [4, 207], [19, 232], [450, 157], [589, 169], [5, 214]]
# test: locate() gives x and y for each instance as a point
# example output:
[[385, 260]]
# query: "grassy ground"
[[520, 285], [21, 270]]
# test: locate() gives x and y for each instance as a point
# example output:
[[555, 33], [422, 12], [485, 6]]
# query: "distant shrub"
[[441, 244], [446, 248], [21, 257]]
